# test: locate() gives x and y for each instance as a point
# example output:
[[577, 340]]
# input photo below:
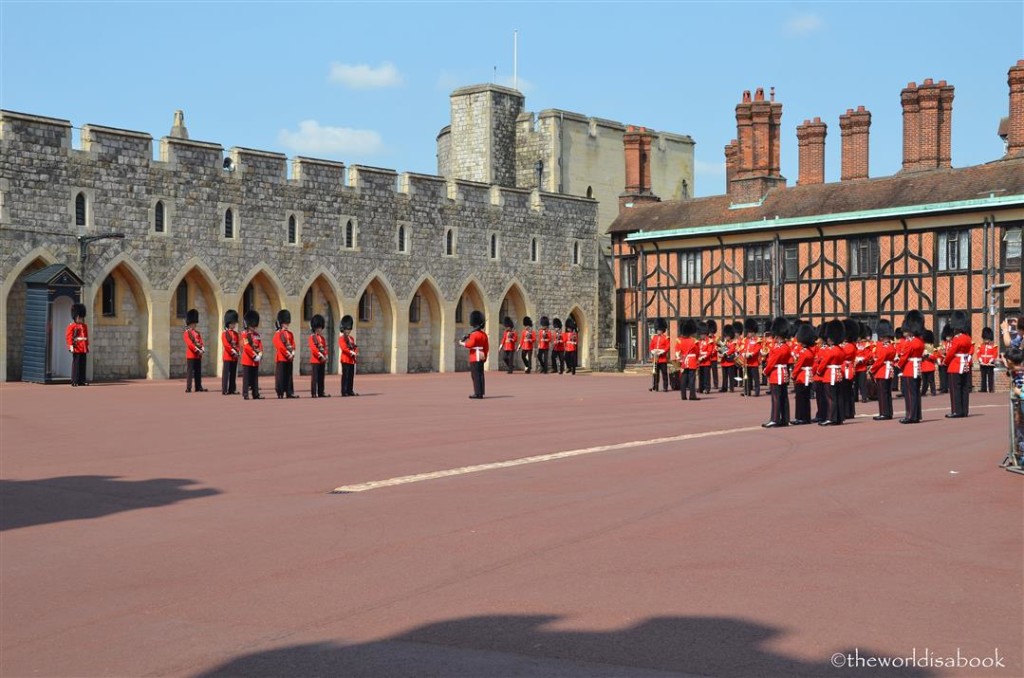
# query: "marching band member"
[[751, 358], [865, 350], [820, 391], [252, 354], [803, 373], [883, 370], [478, 345], [987, 355], [931, 356], [230, 342], [572, 339], [658, 348], [704, 350], [713, 343], [909, 360], [526, 339], [776, 368], [318, 356], [945, 336], [958, 365], [557, 347], [728, 360], [848, 391], [686, 352], [830, 369], [508, 344], [543, 344], [194, 350], [284, 342], [348, 354], [77, 335]]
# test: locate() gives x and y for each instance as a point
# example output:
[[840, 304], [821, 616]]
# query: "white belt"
[[832, 373], [808, 375], [888, 369], [917, 367], [780, 371], [478, 350], [965, 362]]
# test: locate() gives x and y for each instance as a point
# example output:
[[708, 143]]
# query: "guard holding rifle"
[[318, 355], [659, 355], [284, 356], [194, 350], [478, 345], [252, 354], [77, 336], [349, 354], [229, 341]]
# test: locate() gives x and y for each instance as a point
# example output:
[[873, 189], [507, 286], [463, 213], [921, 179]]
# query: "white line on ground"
[[522, 461]]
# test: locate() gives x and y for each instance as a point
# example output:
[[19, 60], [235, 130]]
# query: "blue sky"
[[368, 83]]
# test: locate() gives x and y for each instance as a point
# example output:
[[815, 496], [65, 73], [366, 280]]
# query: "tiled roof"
[[1000, 178]]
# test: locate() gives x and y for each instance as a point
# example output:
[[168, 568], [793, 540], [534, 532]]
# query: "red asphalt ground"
[[147, 532]]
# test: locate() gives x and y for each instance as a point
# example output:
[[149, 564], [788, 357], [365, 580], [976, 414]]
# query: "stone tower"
[[480, 144]]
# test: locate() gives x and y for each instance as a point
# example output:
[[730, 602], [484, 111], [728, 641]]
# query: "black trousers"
[[476, 371], [317, 375], [251, 381], [78, 368], [283, 382], [943, 379], [527, 359], [348, 377], [802, 402], [228, 377], [912, 398], [884, 389], [193, 371], [780, 403], [703, 377], [862, 386], [728, 383], [927, 382], [753, 381], [509, 358], [834, 392], [688, 382], [558, 361], [570, 361], [821, 400], [542, 360], [988, 379], [959, 393], [660, 369]]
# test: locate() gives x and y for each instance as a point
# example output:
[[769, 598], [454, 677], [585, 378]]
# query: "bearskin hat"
[[750, 325], [947, 332], [230, 317], [851, 329], [865, 331], [570, 324], [806, 335], [77, 311], [527, 321], [192, 316], [687, 327], [346, 322], [928, 336], [702, 328], [317, 322], [556, 323], [476, 319], [544, 322], [507, 322], [252, 319], [780, 328], [712, 327], [835, 331], [660, 325], [284, 317], [728, 332], [820, 330], [960, 322], [884, 329], [913, 323], [986, 334]]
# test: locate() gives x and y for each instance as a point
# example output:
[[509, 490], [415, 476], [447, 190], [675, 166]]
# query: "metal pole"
[[515, 59]]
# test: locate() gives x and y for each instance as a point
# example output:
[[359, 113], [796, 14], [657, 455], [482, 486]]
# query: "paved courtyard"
[[146, 532]]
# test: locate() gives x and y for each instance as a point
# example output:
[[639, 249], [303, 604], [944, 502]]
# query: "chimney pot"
[[860, 109], [928, 81], [759, 94]]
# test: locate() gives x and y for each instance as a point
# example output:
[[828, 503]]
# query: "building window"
[[365, 314], [449, 242], [534, 250], [627, 273], [158, 217], [494, 245], [80, 211], [293, 230], [307, 305], [109, 297], [689, 268], [248, 299], [414, 309], [790, 262], [350, 235], [953, 250], [575, 254], [863, 256], [181, 300], [229, 223], [1011, 248], [458, 313], [401, 239], [631, 341], [759, 263]]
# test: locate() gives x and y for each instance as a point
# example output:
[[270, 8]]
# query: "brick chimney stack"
[[732, 150], [810, 138], [758, 125], [636, 143], [855, 126], [1015, 125], [927, 125]]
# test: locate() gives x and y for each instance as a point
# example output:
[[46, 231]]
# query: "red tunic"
[[777, 364], [349, 351], [958, 356], [526, 340], [729, 359], [544, 339], [987, 354], [659, 342], [194, 348], [830, 368], [229, 340], [558, 342], [705, 348], [883, 367], [686, 352], [77, 336], [252, 348], [713, 339], [752, 351], [317, 349], [478, 346], [803, 365], [284, 342], [910, 357], [508, 340], [571, 339]]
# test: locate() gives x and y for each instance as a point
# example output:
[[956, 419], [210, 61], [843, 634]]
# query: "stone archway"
[[424, 342], [374, 328], [320, 297], [15, 306], [194, 290], [119, 326], [583, 344], [513, 305], [471, 299], [263, 294]]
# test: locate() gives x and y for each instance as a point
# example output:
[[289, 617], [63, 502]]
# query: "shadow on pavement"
[[24, 503]]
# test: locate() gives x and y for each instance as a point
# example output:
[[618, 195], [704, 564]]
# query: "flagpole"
[[515, 59]]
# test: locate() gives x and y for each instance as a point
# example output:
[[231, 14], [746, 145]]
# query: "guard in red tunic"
[[478, 345], [318, 357], [508, 344], [958, 365], [776, 368], [77, 335], [944, 336], [194, 350], [908, 359], [704, 350], [883, 369], [284, 356], [803, 373], [526, 340], [751, 359], [713, 339], [862, 360], [231, 346], [987, 355], [349, 354], [658, 348], [543, 343], [932, 356], [572, 339], [557, 347], [686, 353], [728, 358], [848, 392], [252, 354], [830, 369]]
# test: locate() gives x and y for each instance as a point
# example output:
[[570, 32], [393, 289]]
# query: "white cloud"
[[804, 24], [362, 76], [313, 138]]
